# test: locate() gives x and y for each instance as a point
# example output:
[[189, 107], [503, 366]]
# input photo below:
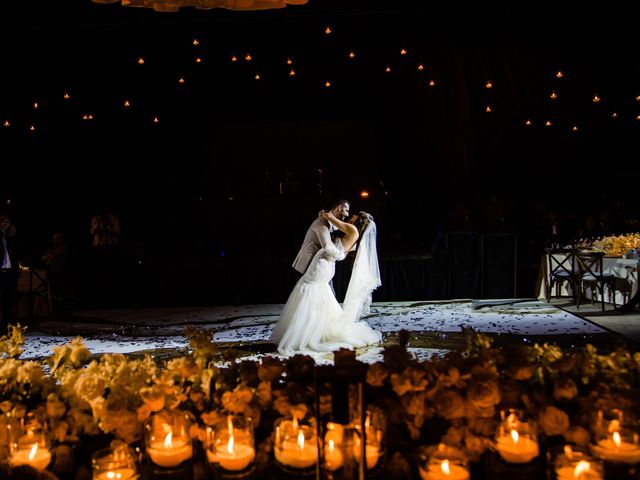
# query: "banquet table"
[[625, 271]]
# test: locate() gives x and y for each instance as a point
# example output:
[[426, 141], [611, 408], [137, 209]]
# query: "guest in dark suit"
[[8, 272]]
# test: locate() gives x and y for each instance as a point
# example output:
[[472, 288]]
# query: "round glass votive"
[[29, 444], [232, 445], [576, 464], [114, 463], [442, 462], [517, 442], [620, 444], [375, 438], [296, 445], [167, 439]]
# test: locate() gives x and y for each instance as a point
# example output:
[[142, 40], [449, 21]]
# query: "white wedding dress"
[[313, 321]]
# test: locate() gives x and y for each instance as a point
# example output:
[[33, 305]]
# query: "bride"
[[312, 320]]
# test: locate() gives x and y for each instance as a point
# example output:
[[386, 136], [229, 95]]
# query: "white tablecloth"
[[624, 269]]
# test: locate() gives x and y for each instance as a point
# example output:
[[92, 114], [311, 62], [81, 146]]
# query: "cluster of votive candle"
[[335, 442], [232, 447], [445, 463]]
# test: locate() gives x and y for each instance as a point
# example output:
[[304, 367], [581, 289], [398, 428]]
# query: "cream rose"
[[483, 394], [553, 421], [89, 386], [449, 404]]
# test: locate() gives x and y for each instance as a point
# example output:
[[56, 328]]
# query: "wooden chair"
[[562, 269], [590, 265]]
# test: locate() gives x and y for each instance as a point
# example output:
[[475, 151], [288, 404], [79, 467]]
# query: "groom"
[[319, 236]]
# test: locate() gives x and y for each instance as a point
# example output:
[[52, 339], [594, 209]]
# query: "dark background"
[[215, 198]]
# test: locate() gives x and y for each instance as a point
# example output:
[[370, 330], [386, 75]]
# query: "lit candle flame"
[[514, 436], [332, 446], [230, 445], [229, 425], [568, 452], [167, 440], [616, 439], [32, 453], [300, 440], [444, 466], [581, 469]]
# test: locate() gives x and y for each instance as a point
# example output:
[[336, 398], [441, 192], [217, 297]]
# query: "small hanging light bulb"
[[420, 67], [234, 58], [66, 96], [596, 98], [559, 74], [195, 42], [140, 61], [528, 123], [403, 51], [489, 84], [327, 30]]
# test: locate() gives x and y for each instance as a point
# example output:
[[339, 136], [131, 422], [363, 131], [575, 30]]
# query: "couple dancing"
[[312, 320]]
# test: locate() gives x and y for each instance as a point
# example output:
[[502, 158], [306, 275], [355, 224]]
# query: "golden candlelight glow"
[[420, 67], [35, 105], [581, 469], [196, 42], [234, 58], [444, 466], [248, 57], [547, 123], [568, 452], [364, 194], [229, 425], [181, 80], [614, 115], [32, 128], [85, 117], [332, 446], [6, 123], [198, 60], [553, 95], [295, 422], [489, 84], [292, 73], [488, 109], [327, 84], [257, 77], [638, 117], [403, 51], [528, 123], [167, 440], [616, 439], [66, 96], [638, 98], [352, 54], [559, 74], [432, 83], [140, 61], [155, 119], [514, 436], [596, 99], [387, 69], [34, 450], [289, 61], [300, 440], [327, 30], [127, 104], [575, 128], [230, 445]]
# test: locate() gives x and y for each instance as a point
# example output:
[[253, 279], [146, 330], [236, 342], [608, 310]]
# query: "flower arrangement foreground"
[[87, 402]]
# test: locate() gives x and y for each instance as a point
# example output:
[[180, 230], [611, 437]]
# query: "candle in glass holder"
[[36, 456], [295, 444], [516, 448], [171, 451], [167, 438], [615, 448], [372, 453], [444, 463], [333, 456], [114, 463], [582, 470], [233, 445]]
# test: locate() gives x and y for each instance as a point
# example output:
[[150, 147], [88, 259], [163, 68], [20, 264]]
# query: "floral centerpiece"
[[452, 399]]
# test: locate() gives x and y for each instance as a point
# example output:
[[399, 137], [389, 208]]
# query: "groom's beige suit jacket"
[[318, 236]]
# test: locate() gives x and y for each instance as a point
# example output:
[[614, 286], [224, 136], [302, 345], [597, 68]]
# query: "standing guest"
[[8, 272]]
